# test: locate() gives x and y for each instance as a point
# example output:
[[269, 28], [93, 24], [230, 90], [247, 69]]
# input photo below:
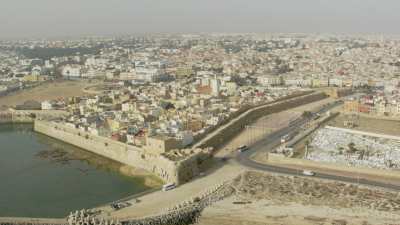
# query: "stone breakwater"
[[170, 169], [187, 212], [30, 223], [181, 217]]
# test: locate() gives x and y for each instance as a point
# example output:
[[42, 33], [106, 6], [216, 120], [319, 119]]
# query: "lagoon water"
[[36, 183]]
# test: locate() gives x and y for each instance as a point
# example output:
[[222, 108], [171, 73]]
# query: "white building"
[[126, 107], [338, 82], [72, 71], [186, 138], [36, 70], [94, 62], [48, 64], [149, 74], [46, 105], [270, 80], [215, 86]]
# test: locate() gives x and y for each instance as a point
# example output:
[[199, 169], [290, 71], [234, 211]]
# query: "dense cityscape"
[[170, 104], [199, 112]]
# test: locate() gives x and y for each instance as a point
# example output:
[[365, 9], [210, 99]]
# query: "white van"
[[167, 187], [308, 173]]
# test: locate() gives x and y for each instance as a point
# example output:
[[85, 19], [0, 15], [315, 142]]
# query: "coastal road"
[[272, 140]]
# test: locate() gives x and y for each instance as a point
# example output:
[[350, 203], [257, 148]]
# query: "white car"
[[167, 187], [308, 173]]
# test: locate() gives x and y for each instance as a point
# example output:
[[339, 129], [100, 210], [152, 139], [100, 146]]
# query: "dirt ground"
[[267, 125], [262, 212], [263, 198], [382, 126], [48, 91]]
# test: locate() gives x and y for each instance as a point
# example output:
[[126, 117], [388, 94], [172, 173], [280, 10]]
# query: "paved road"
[[221, 128], [272, 140]]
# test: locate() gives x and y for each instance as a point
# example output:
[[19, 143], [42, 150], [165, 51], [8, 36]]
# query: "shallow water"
[[34, 184]]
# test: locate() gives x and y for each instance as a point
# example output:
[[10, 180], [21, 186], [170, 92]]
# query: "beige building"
[[183, 72], [160, 144], [351, 106], [338, 92]]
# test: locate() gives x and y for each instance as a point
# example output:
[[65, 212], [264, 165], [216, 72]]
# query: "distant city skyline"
[[49, 18]]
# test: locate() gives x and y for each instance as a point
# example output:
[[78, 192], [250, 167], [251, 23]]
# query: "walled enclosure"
[[170, 170], [174, 171]]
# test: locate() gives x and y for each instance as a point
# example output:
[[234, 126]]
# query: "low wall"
[[280, 159], [29, 116], [237, 125], [8, 117], [168, 170], [351, 131]]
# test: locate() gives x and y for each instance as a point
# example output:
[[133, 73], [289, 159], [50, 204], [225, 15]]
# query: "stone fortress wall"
[[176, 171]]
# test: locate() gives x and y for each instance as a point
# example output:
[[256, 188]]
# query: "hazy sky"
[[48, 18]]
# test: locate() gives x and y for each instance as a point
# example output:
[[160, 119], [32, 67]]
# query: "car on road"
[[168, 187], [119, 205], [242, 148], [308, 173], [224, 159]]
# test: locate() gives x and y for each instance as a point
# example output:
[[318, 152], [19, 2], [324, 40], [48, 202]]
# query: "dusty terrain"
[[382, 126], [269, 124], [262, 198], [48, 91]]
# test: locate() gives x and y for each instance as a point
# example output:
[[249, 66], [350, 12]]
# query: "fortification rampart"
[[176, 171]]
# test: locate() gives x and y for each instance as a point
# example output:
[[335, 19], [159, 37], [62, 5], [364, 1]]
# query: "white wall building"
[[149, 74], [215, 86], [72, 71], [46, 105]]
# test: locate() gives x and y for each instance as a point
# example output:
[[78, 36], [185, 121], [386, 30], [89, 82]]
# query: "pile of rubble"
[[354, 150]]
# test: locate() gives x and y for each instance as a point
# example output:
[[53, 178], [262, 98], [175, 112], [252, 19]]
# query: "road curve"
[[273, 140]]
